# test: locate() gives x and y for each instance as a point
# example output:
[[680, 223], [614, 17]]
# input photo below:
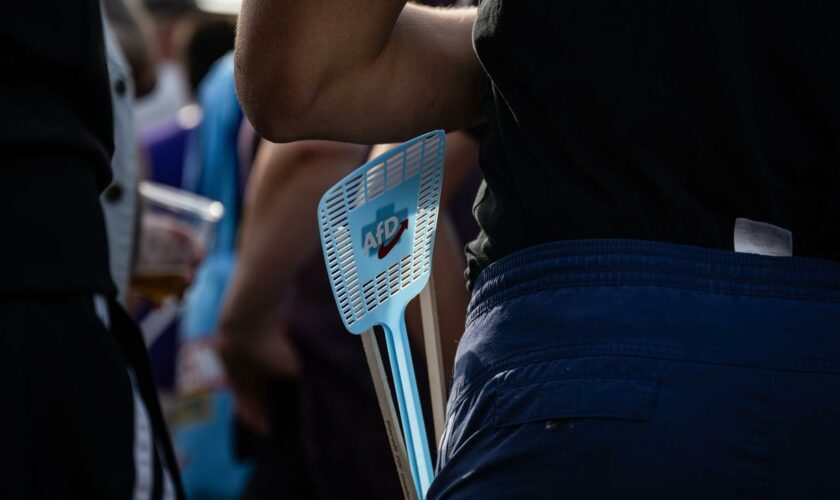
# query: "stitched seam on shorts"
[[613, 349], [497, 298]]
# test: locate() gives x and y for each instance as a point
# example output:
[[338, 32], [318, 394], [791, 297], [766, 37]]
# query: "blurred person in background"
[[171, 21], [203, 39], [615, 344], [204, 423], [211, 37], [131, 69], [168, 151], [79, 417], [280, 300], [267, 375]]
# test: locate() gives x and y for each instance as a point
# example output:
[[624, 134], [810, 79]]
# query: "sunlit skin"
[[362, 72], [287, 182]]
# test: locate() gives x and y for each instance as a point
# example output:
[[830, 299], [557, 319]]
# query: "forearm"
[[280, 229], [358, 72], [261, 277]]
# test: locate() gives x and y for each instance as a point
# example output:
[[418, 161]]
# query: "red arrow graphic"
[[386, 248]]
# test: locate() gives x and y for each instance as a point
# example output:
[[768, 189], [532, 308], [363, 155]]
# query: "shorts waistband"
[[612, 262]]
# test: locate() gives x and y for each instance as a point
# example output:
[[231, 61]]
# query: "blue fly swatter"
[[377, 232]]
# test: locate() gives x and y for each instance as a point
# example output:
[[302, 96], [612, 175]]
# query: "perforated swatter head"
[[378, 231]]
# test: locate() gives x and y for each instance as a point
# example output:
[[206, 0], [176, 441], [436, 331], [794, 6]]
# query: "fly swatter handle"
[[408, 399], [389, 415]]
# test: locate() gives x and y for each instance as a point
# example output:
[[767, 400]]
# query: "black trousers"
[[79, 417]]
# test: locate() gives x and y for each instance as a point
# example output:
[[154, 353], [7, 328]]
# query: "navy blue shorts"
[[629, 369]]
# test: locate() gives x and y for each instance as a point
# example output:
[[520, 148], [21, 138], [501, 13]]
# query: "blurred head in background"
[[211, 38], [170, 18], [189, 40]]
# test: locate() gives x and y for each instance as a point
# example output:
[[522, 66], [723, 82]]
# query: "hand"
[[252, 359], [167, 256]]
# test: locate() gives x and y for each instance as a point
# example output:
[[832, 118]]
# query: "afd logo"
[[385, 232]]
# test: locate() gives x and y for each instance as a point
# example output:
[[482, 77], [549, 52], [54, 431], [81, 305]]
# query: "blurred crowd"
[[215, 251], [654, 293], [168, 327]]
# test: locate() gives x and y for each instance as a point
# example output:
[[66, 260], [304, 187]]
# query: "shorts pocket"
[[576, 398]]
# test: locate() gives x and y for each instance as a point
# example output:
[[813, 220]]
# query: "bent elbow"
[[270, 122], [275, 105], [265, 111]]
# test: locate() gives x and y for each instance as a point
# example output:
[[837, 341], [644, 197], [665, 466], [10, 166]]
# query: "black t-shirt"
[[56, 140], [659, 120]]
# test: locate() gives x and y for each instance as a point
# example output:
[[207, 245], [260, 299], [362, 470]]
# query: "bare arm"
[[366, 72], [280, 228], [279, 232]]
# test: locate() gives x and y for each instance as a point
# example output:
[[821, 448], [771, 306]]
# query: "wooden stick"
[[434, 359], [389, 414]]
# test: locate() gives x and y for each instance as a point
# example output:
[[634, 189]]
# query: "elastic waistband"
[[585, 263]]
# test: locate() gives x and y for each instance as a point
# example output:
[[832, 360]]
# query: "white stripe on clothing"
[[144, 463], [168, 485]]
